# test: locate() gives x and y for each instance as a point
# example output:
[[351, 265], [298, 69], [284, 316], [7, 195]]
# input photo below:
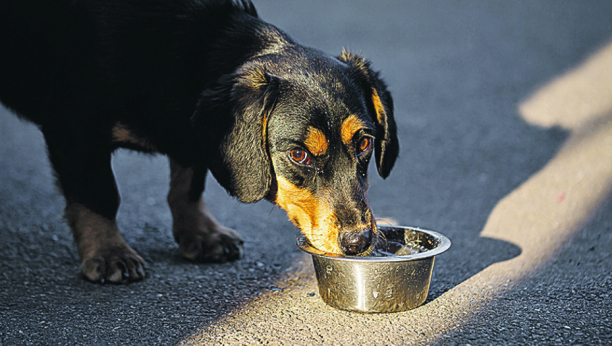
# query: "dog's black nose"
[[355, 242]]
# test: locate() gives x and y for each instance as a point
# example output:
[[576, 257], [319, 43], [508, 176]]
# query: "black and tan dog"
[[211, 86]]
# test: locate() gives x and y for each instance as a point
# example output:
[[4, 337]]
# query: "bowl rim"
[[445, 243]]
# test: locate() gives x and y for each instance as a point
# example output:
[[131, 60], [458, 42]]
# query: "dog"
[[216, 89]]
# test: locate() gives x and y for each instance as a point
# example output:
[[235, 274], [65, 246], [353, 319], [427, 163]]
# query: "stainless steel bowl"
[[379, 284]]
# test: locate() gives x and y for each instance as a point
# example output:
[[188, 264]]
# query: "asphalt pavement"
[[504, 112]]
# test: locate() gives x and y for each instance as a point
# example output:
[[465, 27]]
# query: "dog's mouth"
[[351, 233], [351, 242], [327, 234]]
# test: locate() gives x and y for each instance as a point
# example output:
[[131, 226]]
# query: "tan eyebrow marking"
[[122, 134], [316, 142], [349, 127]]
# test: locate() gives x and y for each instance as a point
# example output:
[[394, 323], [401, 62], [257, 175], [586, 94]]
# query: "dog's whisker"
[[267, 223], [381, 239]]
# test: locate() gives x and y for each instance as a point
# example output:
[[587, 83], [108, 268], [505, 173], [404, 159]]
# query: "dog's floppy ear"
[[381, 105], [232, 119]]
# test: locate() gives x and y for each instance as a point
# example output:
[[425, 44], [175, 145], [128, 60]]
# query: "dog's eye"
[[300, 156], [364, 144]]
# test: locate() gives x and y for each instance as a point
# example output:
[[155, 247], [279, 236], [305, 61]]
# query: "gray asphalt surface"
[[459, 72]]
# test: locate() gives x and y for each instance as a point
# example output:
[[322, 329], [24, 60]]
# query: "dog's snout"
[[355, 242]]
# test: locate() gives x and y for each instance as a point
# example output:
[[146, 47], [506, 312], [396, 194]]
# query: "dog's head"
[[299, 128]]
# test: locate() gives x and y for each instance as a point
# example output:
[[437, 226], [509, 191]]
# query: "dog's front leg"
[[200, 236], [83, 169], [104, 254]]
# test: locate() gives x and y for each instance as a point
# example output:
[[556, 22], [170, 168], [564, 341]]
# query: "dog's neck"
[[250, 38]]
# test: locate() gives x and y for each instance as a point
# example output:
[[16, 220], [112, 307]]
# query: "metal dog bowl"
[[390, 281]]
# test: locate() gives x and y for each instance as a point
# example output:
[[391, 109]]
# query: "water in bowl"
[[388, 248]]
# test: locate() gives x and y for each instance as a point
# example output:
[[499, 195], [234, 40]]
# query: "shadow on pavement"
[[544, 206], [566, 301]]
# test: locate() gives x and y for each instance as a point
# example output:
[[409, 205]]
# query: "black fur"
[[207, 83]]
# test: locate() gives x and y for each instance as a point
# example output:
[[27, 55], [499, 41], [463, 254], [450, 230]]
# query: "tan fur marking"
[[99, 241], [316, 142], [378, 106], [312, 215], [193, 224], [349, 127], [121, 134], [91, 231], [264, 130], [255, 78]]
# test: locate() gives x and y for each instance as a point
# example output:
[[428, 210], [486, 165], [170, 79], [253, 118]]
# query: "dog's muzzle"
[[355, 242]]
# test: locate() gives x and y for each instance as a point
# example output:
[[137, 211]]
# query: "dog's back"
[[61, 57], [44, 46]]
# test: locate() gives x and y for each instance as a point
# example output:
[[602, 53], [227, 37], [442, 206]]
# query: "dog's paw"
[[219, 245], [119, 265]]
